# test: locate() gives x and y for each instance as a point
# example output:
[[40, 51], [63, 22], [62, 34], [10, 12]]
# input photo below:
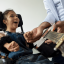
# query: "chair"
[[21, 22]]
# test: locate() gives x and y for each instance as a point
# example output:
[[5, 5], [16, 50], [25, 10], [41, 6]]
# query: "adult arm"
[[36, 33], [50, 17]]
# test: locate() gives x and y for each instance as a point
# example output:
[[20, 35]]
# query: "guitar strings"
[[54, 36]]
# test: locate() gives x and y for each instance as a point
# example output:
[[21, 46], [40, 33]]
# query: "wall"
[[32, 11]]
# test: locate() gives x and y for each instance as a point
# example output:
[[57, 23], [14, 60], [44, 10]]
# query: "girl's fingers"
[[16, 48], [13, 43], [10, 48]]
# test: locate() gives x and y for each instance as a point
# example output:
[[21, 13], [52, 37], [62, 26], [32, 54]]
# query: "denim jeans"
[[33, 59], [58, 59]]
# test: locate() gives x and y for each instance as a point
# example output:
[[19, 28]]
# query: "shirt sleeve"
[[50, 17]]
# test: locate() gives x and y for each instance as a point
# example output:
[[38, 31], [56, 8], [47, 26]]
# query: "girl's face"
[[12, 20]]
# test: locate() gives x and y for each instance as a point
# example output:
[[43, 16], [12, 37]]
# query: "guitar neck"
[[58, 38], [54, 36]]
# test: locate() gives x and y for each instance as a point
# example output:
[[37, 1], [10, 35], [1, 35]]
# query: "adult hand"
[[13, 46], [60, 26]]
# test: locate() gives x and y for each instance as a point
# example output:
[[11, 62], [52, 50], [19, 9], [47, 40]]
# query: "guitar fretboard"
[[54, 36]]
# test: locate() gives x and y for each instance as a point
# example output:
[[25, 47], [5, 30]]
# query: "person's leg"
[[33, 59], [47, 50]]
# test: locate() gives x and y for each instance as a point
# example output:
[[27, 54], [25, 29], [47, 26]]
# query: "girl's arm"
[[4, 39], [7, 45], [12, 46]]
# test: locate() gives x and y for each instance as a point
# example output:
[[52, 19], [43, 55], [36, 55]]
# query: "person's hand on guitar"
[[60, 26], [60, 29]]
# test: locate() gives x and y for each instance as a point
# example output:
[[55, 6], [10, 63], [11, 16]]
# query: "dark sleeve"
[[3, 41], [30, 45]]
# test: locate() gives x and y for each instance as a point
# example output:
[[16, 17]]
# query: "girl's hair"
[[3, 16]]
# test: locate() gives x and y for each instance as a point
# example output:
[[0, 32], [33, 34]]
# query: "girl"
[[15, 42]]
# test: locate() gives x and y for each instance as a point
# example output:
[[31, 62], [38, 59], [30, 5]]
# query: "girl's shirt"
[[18, 38]]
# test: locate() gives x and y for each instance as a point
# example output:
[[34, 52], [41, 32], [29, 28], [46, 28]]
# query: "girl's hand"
[[33, 35], [13, 46]]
